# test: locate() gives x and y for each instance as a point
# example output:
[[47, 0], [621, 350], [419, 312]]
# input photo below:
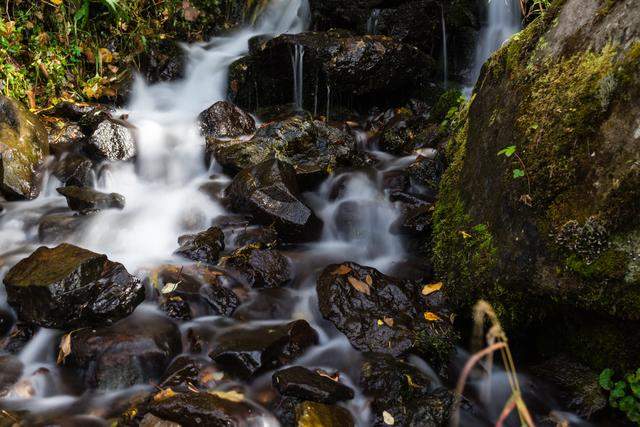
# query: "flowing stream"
[[164, 201]]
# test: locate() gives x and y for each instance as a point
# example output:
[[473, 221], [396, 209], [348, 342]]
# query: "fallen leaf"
[[164, 394], [380, 322], [465, 235], [431, 288], [388, 321], [169, 287], [388, 418], [431, 317], [106, 56], [232, 395], [359, 285], [335, 376], [65, 348], [410, 381], [342, 270], [369, 280], [211, 376]]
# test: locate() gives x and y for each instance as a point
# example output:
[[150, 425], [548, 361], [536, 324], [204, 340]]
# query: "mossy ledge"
[[565, 235]]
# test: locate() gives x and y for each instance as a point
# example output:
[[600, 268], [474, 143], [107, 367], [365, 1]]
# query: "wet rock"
[[425, 174], [24, 148], [404, 392], [225, 120], [395, 180], [245, 351], [68, 286], [269, 192], [359, 70], [10, 372], [306, 384], [255, 235], [311, 414], [87, 200], [415, 221], [112, 140], [93, 116], [198, 409], [258, 267], [383, 314], [74, 170], [268, 304], [205, 246], [133, 351], [55, 227], [65, 137], [163, 61], [312, 147], [74, 111], [20, 334], [188, 371]]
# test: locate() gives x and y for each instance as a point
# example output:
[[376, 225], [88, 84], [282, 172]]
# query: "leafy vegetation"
[[624, 394], [85, 49]]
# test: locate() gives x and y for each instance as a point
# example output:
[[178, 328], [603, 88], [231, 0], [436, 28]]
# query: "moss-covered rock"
[[553, 222], [23, 150]]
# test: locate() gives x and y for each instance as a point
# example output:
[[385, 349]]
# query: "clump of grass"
[[494, 340]]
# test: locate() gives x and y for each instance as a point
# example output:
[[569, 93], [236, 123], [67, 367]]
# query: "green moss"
[[611, 264]]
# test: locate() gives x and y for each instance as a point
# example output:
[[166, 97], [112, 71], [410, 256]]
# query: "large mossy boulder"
[[358, 71], [68, 286], [24, 148], [548, 230]]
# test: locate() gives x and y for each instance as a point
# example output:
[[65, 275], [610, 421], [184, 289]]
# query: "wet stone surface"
[[305, 384]]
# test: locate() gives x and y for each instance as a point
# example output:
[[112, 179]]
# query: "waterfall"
[[328, 101], [297, 61], [503, 21], [445, 58], [372, 22]]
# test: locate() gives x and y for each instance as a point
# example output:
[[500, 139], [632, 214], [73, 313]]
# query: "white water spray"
[[297, 61]]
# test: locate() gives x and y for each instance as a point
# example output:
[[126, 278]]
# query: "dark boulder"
[[415, 221], [65, 137], [74, 170], [162, 61], [255, 235], [24, 148], [258, 267], [133, 351], [425, 174], [112, 140], [19, 336], [338, 68], [404, 392], [269, 192], [205, 246], [6, 321], [87, 200], [225, 120], [245, 351], [306, 384], [383, 314], [68, 286]]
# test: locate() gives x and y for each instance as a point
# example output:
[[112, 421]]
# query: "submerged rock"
[[205, 246], [24, 148], [202, 409], [258, 267], [112, 140], [225, 120], [68, 287], [312, 414], [404, 392], [358, 70], [245, 351], [383, 314], [306, 384], [135, 350], [10, 372], [56, 227], [86, 200], [269, 192]]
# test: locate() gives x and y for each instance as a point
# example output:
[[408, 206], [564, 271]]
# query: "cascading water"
[[372, 22], [503, 21], [445, 56], [297, 61]]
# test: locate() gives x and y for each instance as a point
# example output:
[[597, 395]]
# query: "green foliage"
[[624, 394], [508, 151]]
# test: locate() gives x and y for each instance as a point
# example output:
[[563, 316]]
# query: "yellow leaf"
[[65, 348], [164, 394], [369, 280], [431, 317], [56, 2], [105, 55], [342, 270], [359, 285], [410, 381], [431, 288], [380, 322], [232, 395], [388, 418], [465, 235]]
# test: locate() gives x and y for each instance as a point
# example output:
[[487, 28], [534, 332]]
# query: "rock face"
[[258, 267], [566, 233], [135, 350], [365, 70], [205, 246], [404, 392], [112, 140], [68, 286], [269, 192], [246, 351], [225, 120], [306, 384], [382, 314], [86, 200], [312, 147], [198, 409], [23, 149]]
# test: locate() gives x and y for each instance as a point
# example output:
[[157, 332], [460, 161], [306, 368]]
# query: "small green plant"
[[624, 394], [510, 151]]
